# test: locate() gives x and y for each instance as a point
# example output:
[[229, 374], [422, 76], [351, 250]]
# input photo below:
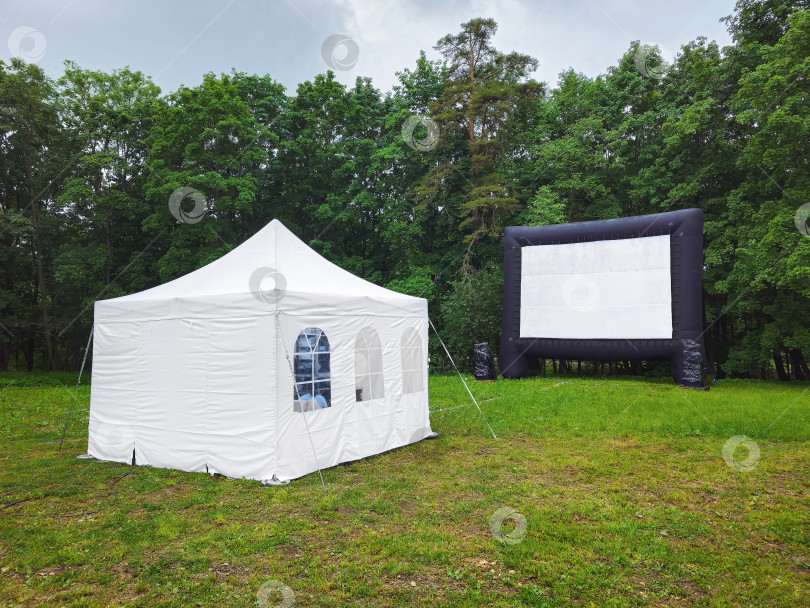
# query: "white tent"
[[220, 371]]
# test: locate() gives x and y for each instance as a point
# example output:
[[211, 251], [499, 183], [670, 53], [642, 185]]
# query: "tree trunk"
[[803, 365], [780, 367], [470, 119], [108, 260], [40, 266], [5, 349], [29, 353], [5, 356], [798, 364], [45, 324]]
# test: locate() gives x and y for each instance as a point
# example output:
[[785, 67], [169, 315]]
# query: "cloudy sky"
[[177, 41]]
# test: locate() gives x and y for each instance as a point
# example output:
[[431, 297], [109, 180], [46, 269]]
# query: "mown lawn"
[[618, 492]]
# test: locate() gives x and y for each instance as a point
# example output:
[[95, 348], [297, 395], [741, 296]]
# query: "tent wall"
[[194, 395], [216, 393], [349, 429], [114, 391], [241, 438]]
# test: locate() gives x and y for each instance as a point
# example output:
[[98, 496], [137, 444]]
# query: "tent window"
[[368, 366], [313, 386], [412, 362]]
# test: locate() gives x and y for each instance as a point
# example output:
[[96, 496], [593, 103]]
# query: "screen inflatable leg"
[[687, 364], [513, 363]]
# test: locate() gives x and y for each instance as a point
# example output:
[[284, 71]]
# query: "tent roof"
[[274, 247]]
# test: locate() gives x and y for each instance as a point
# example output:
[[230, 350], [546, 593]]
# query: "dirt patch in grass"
[[53, 570], [230, 570], [289, 552]]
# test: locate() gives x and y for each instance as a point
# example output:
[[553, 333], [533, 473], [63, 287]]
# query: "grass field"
[[597, 492]]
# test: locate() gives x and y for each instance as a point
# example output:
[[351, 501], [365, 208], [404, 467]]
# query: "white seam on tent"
[[137, 405], [290, 313]]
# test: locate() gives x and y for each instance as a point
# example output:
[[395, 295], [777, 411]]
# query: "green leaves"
[[772, 258]]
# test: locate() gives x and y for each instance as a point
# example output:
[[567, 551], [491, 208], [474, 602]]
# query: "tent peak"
[[275, 251]]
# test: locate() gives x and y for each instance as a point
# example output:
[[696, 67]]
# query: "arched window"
[[368, 366], [313, 386], [412, 362]]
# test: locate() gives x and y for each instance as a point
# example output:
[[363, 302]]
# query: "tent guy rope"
[[453, 363], [75, 392]]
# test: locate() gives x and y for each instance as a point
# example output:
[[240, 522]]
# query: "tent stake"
[[73, 400], [453, 363]]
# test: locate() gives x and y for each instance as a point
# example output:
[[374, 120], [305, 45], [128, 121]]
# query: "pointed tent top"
[[273, 249]]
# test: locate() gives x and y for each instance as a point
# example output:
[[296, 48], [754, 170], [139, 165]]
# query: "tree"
[[89, 164], [210, 140], [107, 119], [772, 268], [567, 168], [29, 126], [482, 89]]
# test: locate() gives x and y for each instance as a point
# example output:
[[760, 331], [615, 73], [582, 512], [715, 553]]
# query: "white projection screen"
[[597, 289], [624, 289]]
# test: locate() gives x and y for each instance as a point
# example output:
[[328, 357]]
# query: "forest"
[[412, 188]]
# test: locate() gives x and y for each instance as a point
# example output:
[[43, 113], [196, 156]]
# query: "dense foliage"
[[411, 189]]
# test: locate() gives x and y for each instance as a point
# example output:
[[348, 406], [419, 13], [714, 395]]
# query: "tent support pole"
[[75, 392], [314, 453], [295, 388], [453, 363]]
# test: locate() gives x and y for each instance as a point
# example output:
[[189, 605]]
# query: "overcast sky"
[[177, 41]]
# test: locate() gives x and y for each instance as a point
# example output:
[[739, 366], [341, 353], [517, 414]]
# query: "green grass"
[[622, 484]]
